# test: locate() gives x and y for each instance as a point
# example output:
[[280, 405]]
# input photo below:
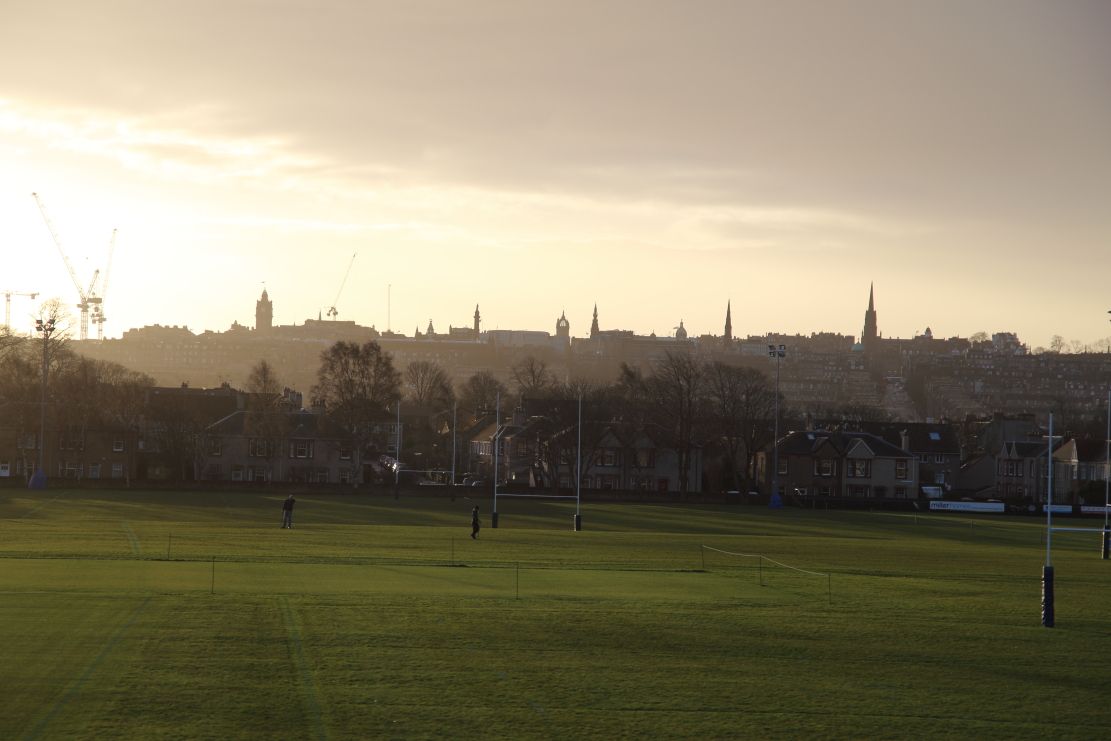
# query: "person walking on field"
[[474, 522], [287, 512]]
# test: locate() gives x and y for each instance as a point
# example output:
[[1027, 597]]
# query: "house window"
[[117, 470], [94, 470], [71, 441], [117, 445], [609, 458], [939, 458], [1010, 468], [823, 490], [646, 458], [858, 491], [900, 492], [300, 449], [322, 475], [345, 454], [823, 467], [27, 441], [522, 449], [345, 473], [258, 447], [782, 468], [901, 468], [237, 473], [858, 468], [215, 446], [5, 469]]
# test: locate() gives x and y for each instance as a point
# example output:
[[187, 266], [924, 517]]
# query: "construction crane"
[[87, 295], [332, 312], [8, 304], [98, 309]]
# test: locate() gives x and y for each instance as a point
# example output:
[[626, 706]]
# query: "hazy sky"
[[658, 158]]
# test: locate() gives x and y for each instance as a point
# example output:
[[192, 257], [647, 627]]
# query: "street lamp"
[[38, 479], [778, 352]]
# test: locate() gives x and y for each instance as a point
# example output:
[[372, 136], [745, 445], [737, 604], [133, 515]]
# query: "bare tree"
[[355, 386], [532, 377], [740, 401], [479, 393], [267, 422], [428, 384], [125, 399], [675, 388]]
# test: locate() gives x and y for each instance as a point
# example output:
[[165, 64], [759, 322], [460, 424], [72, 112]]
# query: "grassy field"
[[146, 615]]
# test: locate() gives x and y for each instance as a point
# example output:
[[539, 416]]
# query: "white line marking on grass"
[[132, 539], [37, 507], [297, 654], [60, 704]]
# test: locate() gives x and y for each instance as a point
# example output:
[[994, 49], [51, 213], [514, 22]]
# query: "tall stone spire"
[[870, 333], [477, 321], [728, 321], [594, 324]]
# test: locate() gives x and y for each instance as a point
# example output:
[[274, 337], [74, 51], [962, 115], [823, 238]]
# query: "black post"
[[494, 520], [1047, 596], [578, 523]]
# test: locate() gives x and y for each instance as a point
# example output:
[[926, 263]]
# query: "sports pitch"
[[131, 614]]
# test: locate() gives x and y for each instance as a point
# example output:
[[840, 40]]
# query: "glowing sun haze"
[[658, 158]]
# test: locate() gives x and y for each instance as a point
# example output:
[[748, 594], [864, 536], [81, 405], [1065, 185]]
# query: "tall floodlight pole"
[[454, 438], [1107, 483], [497, 426], [397, 452], [38, 479], [1047, 570], [578, 470], [777, 352]]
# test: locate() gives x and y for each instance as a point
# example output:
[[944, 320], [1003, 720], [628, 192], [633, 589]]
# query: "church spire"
[[477, 321], [870, 333], [594, 324], [728, 321]]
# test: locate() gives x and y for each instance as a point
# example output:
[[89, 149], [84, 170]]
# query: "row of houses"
[[872, 461], [926, 461]]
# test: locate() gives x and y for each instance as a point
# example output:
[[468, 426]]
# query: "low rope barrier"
[[762, 557]]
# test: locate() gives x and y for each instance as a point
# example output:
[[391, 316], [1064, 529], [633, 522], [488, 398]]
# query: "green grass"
[[192, 615]]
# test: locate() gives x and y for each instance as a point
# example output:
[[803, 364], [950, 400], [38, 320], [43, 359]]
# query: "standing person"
[[287, 512], [474, 522]]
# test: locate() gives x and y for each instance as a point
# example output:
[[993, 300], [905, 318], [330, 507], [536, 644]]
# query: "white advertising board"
[[968, 506]]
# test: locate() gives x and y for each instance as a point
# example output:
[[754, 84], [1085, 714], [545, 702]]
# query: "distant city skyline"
[[657, 159]]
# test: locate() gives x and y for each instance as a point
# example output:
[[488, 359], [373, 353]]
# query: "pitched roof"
[[809, 442]]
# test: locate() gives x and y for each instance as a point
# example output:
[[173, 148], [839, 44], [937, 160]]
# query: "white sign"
[[1093, 510], [1059, 509], [969, 506]]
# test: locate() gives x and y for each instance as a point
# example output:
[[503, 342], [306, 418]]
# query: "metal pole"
[[776, 351], [42, 409], [775, 438], [1049, 495], [454, 438], [497, 426], [1106, 537], [578, 470], [1047, 571]]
